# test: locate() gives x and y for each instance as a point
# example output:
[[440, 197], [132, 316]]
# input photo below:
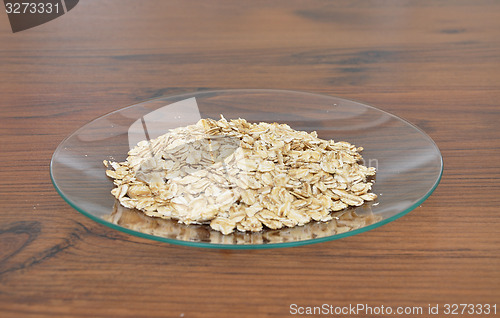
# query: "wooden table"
[[434, 63]]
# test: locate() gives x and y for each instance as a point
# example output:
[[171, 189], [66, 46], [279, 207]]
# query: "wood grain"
[[435, 63]]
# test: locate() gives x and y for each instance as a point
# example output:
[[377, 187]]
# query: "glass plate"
[[409, 164]]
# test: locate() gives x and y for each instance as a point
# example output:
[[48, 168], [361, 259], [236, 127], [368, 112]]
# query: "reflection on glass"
[[159, 121], [342, 222]]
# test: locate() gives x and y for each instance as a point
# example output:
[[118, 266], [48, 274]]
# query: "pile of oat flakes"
[[240, 175]]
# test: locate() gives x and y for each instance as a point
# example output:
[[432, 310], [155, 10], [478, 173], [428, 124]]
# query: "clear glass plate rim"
[[248, 246]]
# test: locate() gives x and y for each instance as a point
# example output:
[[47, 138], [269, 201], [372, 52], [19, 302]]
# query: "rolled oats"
[[240, 175]]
